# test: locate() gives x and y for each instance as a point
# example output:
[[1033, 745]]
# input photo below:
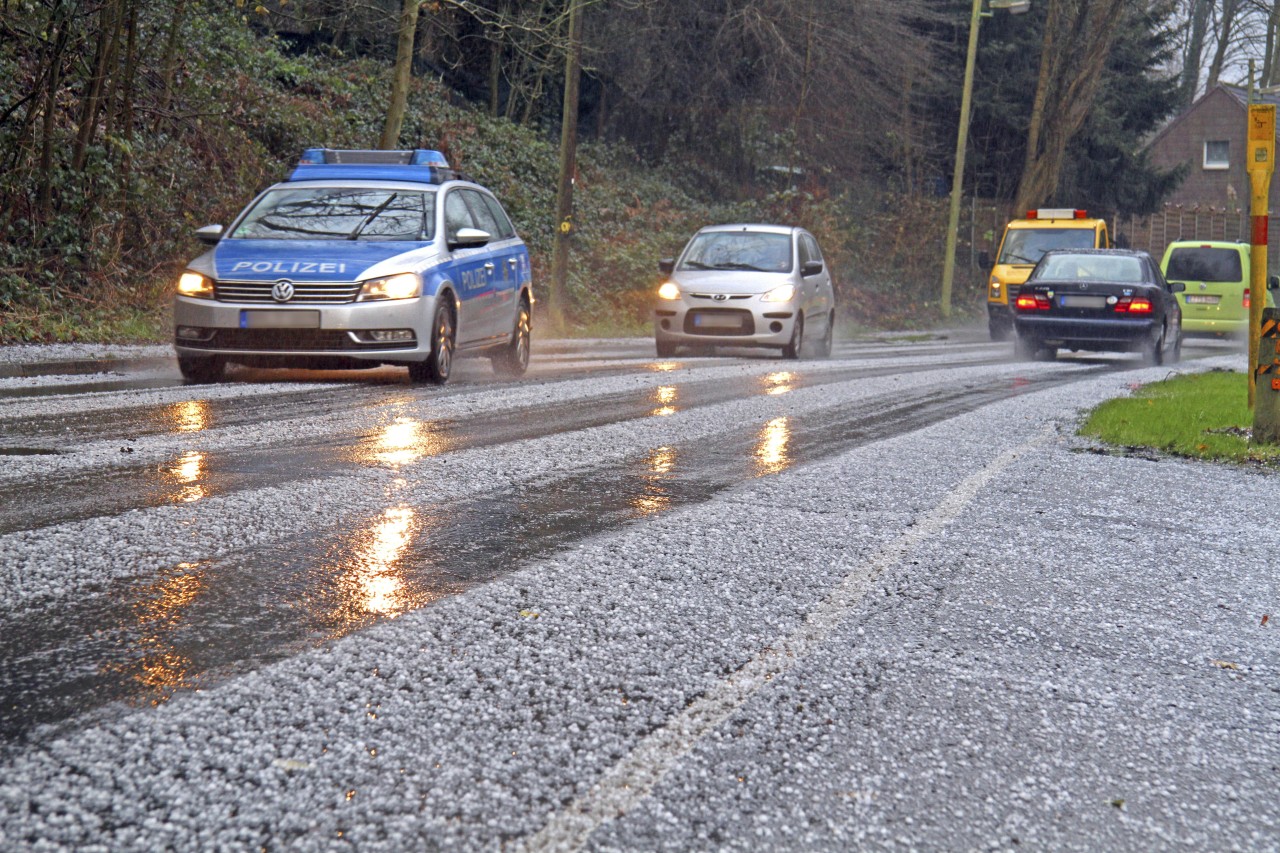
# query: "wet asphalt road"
[[159, 541]]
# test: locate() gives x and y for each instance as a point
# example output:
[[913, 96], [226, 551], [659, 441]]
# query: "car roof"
[[743, 226], [1208, 244], [380, 184], [1123, 253]]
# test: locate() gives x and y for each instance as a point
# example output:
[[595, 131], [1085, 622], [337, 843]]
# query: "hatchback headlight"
[[405, 285], [196, 285], [669, 290], [780, 294]]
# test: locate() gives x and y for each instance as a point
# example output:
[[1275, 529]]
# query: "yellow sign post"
[[1260, 155]]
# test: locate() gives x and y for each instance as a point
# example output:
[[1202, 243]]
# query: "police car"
[[359, 258]]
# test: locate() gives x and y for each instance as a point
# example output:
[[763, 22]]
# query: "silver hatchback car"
[[746, 286]]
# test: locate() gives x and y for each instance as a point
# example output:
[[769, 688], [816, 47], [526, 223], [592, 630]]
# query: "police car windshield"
[[1028, 245], [738, 250], [340, 213]]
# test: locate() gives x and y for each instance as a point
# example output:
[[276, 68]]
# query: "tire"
[[828, 338], [1025, 349], [513, 359], [1153, 350], [998, 328], [1046, 354], [665, 349], [202, 371], [1175, 352], [792, 349], [439, 363]]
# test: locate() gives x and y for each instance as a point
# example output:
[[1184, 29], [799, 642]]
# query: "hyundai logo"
[[282, 290], [720, 297]]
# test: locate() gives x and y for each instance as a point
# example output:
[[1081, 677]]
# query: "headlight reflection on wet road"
[[772, 452], [186, 471], [777, 383], [658, 467], [160, 667], [402, 442], [665, 397], [189, 416]]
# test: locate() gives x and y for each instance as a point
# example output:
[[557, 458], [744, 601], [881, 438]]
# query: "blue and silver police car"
[[359, 258]]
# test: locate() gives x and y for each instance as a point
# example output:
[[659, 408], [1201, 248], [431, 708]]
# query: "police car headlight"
[[403, 286], [780, 294], [194, 284], [669, 290]]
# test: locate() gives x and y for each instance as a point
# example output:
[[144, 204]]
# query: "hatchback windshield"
[[738, 250], [1028, 245], [340, 213], [1204, 263], [1095, 267]]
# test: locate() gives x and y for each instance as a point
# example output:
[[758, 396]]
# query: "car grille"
[[288, 340], [304, 292], [719, 322], [721, 296]]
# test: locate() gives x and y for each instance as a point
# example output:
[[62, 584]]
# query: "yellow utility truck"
[[1024, 242]]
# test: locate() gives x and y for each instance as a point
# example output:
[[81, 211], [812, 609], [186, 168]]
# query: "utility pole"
[[568, 165]]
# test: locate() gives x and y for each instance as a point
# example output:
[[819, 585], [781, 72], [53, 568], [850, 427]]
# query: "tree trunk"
[[91, 106], [169, 65], [1195, 49], [568, 164], [402, 74], [1079, 41], [1224, 39]]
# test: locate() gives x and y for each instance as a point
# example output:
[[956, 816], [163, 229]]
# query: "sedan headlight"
[[669, 290], [402, 286], [196, 285], [780, 294]]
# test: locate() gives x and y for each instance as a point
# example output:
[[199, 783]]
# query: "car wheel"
[[999, 329], [1153, 349], [202, 371], [665, 349], [1025, 348], [828, 338], [439, 363], [792, 349], [1046, 354], [513, 359], [1175, 352]]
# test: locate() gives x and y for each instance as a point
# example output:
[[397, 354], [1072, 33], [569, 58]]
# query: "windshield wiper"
[[740, 266], [372, 216], [697, 265]]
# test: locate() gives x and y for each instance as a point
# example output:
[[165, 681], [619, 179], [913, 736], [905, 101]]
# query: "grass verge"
[[1200, 416]]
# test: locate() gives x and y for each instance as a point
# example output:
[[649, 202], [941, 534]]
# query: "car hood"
[[729, 281], [312, 260]]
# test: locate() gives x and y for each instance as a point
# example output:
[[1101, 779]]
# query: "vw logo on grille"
[[1084, 285], [1204, 286], [720, 297], [282, 290]]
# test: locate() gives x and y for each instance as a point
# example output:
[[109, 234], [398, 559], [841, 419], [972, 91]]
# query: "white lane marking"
[[631, 780]]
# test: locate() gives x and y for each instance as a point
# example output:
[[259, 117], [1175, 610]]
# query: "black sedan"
[[1108, 300]]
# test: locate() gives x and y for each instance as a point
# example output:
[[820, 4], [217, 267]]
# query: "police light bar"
[[1057, 213], [418, 164]]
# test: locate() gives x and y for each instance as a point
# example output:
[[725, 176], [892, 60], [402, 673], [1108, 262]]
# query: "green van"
[[1215, 301]]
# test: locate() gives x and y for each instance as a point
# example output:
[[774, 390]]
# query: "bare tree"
[[1078, 38]]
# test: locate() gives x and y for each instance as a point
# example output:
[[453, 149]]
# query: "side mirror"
[[209, 234], [467, 238], [667, 266], [1273, 282], [1176, 287], [811, 268]]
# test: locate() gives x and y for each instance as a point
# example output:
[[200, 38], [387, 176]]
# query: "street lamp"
[[1014, 7]]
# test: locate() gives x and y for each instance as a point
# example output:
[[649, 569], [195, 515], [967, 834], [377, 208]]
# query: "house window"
[[1217, 153]]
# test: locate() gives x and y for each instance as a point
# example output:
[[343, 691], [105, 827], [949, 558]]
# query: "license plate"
[[1202, 299], [717, 321], [1082, 301], [279, 319]]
